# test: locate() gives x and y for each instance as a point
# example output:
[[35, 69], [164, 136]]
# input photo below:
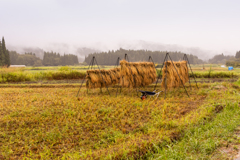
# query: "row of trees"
[[55, 59], [4, 54], [110, 57], [49, 59]]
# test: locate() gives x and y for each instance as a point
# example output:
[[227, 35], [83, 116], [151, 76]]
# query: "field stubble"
[[51, 122]]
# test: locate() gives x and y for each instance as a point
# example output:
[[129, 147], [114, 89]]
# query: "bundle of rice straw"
[[97, 79], [93, 79], [106, 78], [170, 74], [125, 68], [117, 73], [152, 71], [183, 70], [146, 78], [135, 74], [114, 75], [126, 79]]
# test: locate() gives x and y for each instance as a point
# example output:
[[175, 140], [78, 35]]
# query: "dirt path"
[[79, 81]]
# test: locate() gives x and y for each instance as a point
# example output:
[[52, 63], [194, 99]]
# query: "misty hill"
[[22, 50], [86, 51], [81, 52], [110, 57], [146, 45]]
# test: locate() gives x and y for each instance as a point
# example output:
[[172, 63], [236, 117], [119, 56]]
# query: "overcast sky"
[[208, 24]]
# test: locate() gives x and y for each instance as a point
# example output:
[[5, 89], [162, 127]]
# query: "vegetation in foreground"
[[211, 137], [51, 123]]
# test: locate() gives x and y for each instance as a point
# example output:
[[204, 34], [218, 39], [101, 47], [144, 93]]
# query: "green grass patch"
[[21, 76], [214, 74], [202, 140]]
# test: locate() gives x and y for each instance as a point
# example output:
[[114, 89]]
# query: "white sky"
[[208, 24]]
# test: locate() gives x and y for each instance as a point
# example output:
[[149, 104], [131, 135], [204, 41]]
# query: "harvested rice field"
[[50, 122]]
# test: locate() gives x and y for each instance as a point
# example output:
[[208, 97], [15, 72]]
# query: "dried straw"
[[113, 76], [97, 79], [137, 74], [129, 75], [173, 78], [93, 79]]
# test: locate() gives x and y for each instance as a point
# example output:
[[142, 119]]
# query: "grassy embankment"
[[51, 123], [22, 74], [214, 72]]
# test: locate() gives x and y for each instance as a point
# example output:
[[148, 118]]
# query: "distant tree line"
[[55, 59], [28, 59], [220, 59], [4, 54], [49, 59], [110, 57], [235, 61]]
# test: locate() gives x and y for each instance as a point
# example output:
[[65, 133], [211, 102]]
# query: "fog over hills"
[[201, 53], [82, 51], [201, 28]]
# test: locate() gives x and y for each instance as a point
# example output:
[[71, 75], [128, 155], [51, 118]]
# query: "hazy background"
[[200, 27]]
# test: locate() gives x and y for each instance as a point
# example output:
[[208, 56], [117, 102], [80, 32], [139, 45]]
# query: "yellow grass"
[[51, 123]]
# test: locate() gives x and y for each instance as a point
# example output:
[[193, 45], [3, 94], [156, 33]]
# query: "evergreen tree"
[[7, 58], [5, 55], [1, 54], [44, 58]]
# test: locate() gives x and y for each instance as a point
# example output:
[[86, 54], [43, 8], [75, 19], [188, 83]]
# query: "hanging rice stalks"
[[170, 75], [137, 74], [133, 74], [95, 79]]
